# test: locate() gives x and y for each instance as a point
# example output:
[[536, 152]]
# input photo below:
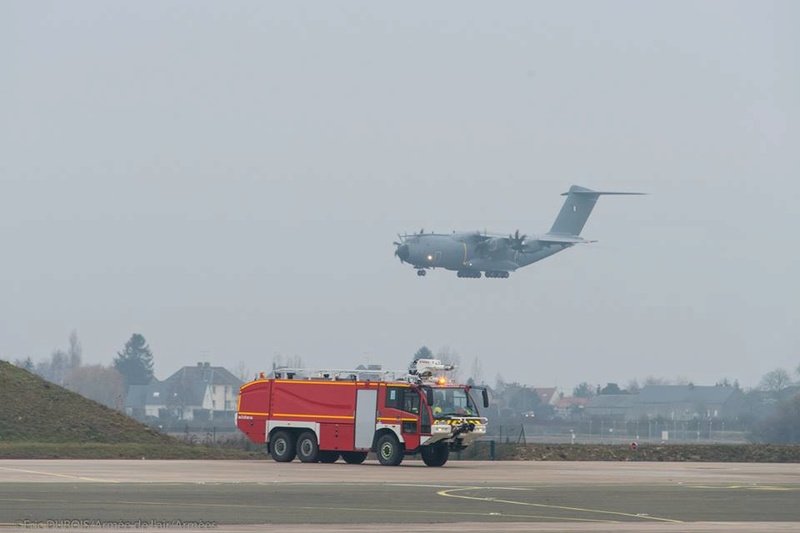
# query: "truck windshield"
[[452, 402]]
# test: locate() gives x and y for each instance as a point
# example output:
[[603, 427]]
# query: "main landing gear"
[[421, 272], [477, 274]]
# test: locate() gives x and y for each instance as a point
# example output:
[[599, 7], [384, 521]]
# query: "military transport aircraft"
[[470, 253]]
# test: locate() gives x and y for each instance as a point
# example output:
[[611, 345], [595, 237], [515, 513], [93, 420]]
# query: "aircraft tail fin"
[[577, 208]]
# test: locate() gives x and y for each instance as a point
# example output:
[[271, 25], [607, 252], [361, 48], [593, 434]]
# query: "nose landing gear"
[[421, 272]]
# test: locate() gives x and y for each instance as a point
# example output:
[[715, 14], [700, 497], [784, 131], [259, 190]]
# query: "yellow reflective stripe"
[[253, 413], [313, 416], [252, 383], [316, 382], [457, 421]]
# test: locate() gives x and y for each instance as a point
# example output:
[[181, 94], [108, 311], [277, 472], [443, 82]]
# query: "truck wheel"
[[390, 453], [307, 447], [435, 455], [328, 456], [282, 447], [354, 458]]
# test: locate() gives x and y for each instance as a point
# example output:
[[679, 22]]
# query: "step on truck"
[[322, 415]]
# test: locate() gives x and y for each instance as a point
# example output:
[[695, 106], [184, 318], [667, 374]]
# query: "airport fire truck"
[[321, 415]]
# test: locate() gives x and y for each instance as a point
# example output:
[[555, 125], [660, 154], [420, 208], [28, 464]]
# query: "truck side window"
[[411, 401], [393, 397]]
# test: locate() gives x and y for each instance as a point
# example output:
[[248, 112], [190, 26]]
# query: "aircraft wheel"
[[354, 458], [307, 447], [421, 272], [390, 452], [282, 447]]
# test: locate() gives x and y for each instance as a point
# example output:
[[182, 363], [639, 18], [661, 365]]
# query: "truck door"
[[366, 406]]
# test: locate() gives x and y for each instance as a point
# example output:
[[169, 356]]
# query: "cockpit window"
[[453, 403]]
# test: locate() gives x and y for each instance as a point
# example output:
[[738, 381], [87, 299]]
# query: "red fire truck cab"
[[320, 416]]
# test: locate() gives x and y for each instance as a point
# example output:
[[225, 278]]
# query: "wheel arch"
[[293, 428], [386, 431]]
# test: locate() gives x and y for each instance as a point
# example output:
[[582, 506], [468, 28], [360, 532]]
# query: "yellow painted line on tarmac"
[[54, 474], [448, 494]]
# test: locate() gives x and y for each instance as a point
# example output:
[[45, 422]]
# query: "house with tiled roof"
[[547, 395], [202, 392]]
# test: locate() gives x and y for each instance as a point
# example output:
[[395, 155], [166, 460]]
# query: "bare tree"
[[281, 361], [242, 372], [477, 370], [99, 383], [60, 363], [54, 370], [449, 357], [75, 350], [775, 381]]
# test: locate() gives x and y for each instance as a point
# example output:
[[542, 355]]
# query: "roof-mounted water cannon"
[[424, 369]]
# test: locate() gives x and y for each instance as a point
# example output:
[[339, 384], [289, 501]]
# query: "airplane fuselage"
[[472, 253]]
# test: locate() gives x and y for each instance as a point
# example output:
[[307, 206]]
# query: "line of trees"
[[107, 385]]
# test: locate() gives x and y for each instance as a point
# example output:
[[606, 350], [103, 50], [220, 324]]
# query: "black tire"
[[282, 447], [354, 458], [389, 450], [435, 455], [328, 456], [307, 447]]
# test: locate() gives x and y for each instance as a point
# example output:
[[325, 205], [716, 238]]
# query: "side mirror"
[[485, 395], [429, 395]]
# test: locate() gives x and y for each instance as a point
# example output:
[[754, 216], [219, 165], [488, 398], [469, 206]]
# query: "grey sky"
[[227, 178]]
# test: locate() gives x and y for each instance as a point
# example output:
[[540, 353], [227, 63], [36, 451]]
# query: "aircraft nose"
[[402, 252]]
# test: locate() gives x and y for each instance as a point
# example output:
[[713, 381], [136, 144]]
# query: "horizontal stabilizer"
[[561, 239], [576, 189]]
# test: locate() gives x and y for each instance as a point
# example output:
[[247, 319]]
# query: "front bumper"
[[458, 432]]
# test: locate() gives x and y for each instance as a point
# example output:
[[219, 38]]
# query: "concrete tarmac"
[[465, 496]]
